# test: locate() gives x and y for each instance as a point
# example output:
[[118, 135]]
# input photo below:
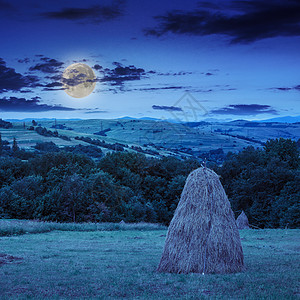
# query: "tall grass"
[[9, 227]]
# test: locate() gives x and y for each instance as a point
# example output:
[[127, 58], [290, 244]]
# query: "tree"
[[286, 207], [285, 149], [15, 146], [263, 183], [1, 144]]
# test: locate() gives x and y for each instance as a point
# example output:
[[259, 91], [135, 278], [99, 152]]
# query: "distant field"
[[121, 264], [163, 137]]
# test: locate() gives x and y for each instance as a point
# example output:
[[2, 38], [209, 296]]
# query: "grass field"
[[163, 137], [131, 132], [91, 262]]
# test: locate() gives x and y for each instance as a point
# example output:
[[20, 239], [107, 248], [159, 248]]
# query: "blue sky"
[[235, 59]]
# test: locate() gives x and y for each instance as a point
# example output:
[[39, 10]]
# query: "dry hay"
[[242, 221], [202, 236]]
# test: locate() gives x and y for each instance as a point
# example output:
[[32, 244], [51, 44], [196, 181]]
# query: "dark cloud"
[[56, 77], [160, 88], [97, 67], [53, 86], [94, 14], [14, 104], [167, 108], [25, 60], [180, 73], [76, 80], [294, 88], [244, 109], [96, 111], [10, 80], [255, 20], [118, 75], [49, 65]]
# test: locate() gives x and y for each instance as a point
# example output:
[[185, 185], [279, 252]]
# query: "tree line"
[[70, 186]]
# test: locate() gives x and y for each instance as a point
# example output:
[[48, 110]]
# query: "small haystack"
[[202, 236], [242, 221]]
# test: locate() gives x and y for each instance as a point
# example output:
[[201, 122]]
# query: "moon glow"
[[78, 80]]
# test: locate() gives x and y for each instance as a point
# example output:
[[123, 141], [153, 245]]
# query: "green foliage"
[[47, 146], [15, 146], [71, 187], [284, 149], [286, 207], [5, 124], [264, 183], [1, 144], [67, 163]]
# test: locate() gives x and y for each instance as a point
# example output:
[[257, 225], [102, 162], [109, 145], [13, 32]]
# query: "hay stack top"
[[202, 236], [242, 221]]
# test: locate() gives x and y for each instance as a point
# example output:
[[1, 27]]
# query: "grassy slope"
[[119, 264], [169, 135]]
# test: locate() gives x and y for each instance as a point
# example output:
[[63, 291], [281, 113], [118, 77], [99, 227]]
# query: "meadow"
[[118, 261], [200, 137]]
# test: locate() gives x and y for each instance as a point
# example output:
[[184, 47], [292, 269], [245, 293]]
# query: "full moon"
[[78, 80]]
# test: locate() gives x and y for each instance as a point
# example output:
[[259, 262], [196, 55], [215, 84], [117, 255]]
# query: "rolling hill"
[[152, 137]]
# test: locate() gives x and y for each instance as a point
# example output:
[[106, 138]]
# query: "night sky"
[[236, 59]]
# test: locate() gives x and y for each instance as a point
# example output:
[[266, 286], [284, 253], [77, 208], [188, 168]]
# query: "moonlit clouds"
[[256, 20], [240, 58]]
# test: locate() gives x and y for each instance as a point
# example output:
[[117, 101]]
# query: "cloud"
[[180, 73], [244, 109], [94, 14], [96, 111], [10, 80], [25, 60], [97, 67], [14, 104], [49, 65], [160, 88], [167, 108], [53, 86], [118, 75], [294, 88], [255, 20]]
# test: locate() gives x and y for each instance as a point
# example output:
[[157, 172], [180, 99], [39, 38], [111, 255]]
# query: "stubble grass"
[[122, 264]]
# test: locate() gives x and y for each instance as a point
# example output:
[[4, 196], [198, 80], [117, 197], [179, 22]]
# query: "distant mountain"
[[287, 119], [126, 118], [239, 122], [148, 118], [214, 120], [143, 118]]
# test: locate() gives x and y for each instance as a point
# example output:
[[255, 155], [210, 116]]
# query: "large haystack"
[[242, 221], [202, 236]]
